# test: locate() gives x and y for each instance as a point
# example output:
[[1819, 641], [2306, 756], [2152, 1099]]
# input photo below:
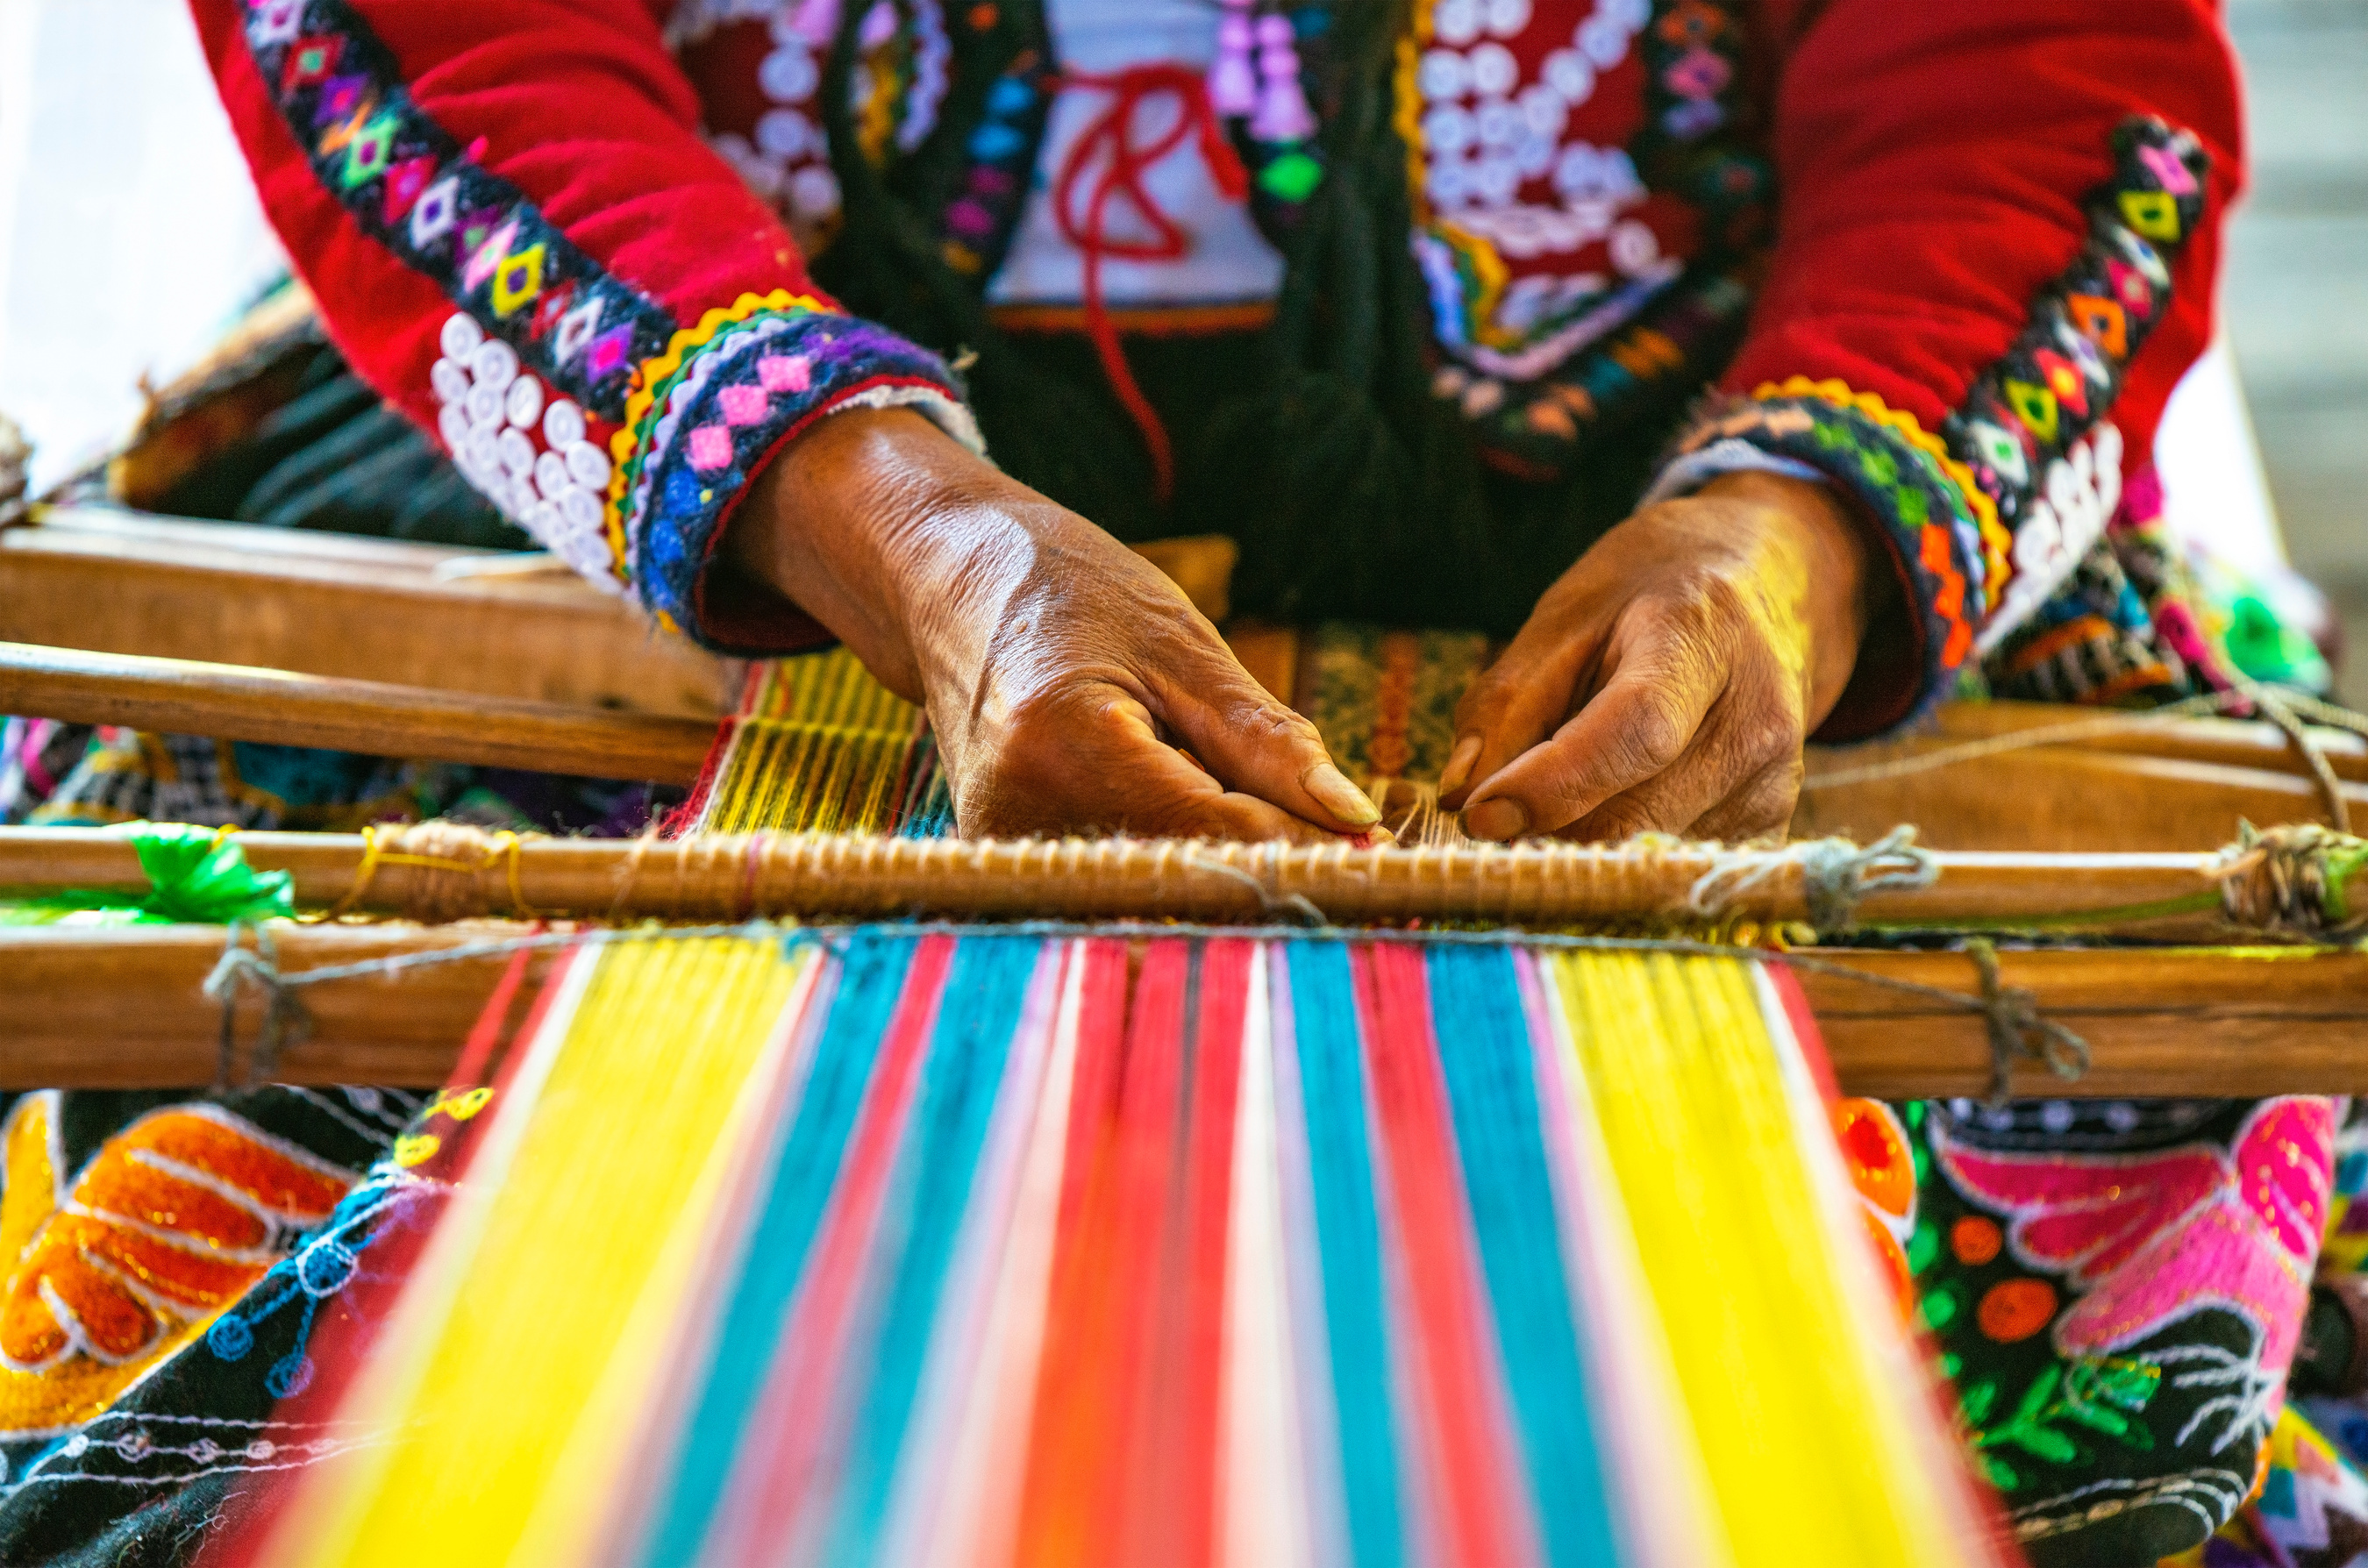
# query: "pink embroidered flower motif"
[[711, 448], [2150, 1238]]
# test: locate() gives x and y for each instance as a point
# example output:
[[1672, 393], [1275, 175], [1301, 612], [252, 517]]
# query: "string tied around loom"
[[2017, 1030], [443, 885], [285, 1021], [1835, 875], [2293, 879]]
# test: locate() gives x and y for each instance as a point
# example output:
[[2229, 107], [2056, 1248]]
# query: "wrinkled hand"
[[1061, 672], [1669, 680]]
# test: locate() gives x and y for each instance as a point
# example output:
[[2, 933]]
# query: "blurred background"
[[128, 235]]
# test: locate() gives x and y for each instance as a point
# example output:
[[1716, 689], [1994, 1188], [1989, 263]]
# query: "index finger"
[[1638, 723]]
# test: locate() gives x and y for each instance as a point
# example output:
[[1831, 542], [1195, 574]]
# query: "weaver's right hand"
[[1062, 673]]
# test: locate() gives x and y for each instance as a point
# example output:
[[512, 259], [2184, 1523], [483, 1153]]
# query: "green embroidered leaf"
[[2097, 1419], [1975, 1401], [2001, 1473], [2034, 1398], [2045, 1442]]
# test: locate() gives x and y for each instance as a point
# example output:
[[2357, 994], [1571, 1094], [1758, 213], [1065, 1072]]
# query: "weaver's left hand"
[[1669, 680]]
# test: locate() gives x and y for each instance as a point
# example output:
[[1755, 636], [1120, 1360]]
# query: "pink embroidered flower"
[[2153, 1237], [711, 448]]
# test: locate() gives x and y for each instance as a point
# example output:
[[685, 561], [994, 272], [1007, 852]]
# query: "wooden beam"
[[123, 1008], [2232, 743], [446, 871], [321, 604], [2059, 798], [239, 703]]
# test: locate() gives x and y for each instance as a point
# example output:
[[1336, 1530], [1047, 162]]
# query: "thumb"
[[1258, 746]]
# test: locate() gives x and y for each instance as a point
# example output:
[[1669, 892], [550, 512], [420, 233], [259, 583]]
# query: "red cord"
[[1111, 137]]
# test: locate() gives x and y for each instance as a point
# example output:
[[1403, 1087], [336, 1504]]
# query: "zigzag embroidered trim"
[[410, 185], [703, 415], [1870, 449], [2020, 431]]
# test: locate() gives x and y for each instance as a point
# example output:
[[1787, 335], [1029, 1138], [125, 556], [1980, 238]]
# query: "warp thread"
[[2017, 1030], [285, 1021], [1835, 875], [2292, 880], [2314, 756]]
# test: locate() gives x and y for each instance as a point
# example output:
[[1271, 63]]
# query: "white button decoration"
[[524, 402], [1494, 71], [1457, 22], [563, 424], [489, 412], [461, 336]]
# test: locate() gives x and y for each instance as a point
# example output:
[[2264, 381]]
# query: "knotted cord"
[[1834, 874], [2016, 1030]]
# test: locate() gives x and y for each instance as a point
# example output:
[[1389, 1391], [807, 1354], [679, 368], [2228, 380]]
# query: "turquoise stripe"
[[1490, 1069], [803, 1170], [928, 1202], [1348, 1242]]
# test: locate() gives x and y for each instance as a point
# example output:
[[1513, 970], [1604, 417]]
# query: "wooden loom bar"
[[322, 604], [2232, 743], [241, 703], [722, 878], [123, 1008]]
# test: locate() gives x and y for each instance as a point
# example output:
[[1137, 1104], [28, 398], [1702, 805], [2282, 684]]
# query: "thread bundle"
[[819, 746], [987, 1249]]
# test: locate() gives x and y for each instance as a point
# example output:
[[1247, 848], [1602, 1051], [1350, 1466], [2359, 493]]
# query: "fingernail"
[[1459, 764], [1374, 837], [1335, 794], [1495, 821]]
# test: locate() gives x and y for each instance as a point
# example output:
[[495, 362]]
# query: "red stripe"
[[1077, 1504], [1187, 1521], [1453, 1373], [770, 1490], [1805, 1029]]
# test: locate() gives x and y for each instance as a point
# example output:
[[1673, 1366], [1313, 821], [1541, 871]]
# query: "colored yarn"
[[821, 746], [196, 876], [991, 1247]]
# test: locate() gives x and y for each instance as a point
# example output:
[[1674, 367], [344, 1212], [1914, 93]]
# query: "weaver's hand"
[[1669, 679], [1061, 672]]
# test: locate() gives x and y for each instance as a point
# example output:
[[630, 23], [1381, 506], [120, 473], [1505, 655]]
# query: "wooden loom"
[[2257, 1020], [504, 664]]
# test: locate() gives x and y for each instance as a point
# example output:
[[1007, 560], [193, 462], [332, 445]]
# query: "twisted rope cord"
[[2292, 880], [2017, 1031], [285, 1021]]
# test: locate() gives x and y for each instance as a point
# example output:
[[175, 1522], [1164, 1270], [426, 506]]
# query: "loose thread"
[[2286, 709], [2016, 1030], [502, 850], [1297, 907], [2314, 756]]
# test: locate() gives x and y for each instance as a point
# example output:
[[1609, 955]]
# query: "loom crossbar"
[[125, 1009], [441, 872], [244, 703]]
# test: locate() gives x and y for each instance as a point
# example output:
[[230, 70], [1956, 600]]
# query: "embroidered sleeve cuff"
[[706, 416], [1923, 504]]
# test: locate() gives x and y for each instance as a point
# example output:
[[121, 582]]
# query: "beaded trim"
[[412, 186], [704, 414]]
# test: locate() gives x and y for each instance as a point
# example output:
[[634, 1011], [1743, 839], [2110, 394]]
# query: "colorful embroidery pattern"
[[411, 185], [2117, 1292], [177, 1216], [705, 413], [2020, 428]]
